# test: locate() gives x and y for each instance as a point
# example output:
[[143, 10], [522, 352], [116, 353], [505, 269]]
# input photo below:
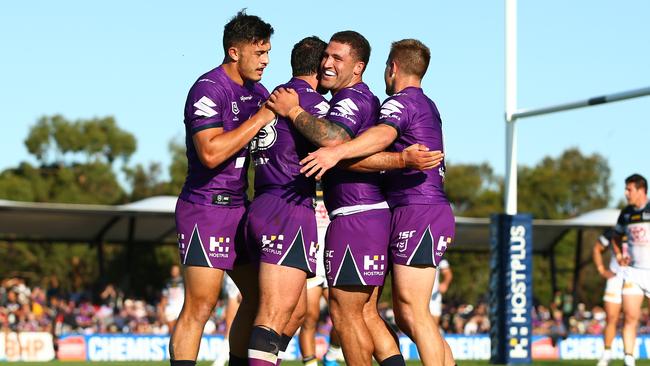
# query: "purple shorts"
[[209, 236], [356, 249], [282, 233], [420, 234]]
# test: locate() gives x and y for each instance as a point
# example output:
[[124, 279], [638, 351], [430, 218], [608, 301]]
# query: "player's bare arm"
[[597, 256], [319, 131], [214, 146], [371, 141], [416, 156], [447, 275]]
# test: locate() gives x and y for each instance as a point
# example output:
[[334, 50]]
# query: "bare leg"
[[202, 285], [632, 310], [308, 330], [346, 307], [411, 293], [245, 278], [384, 339]]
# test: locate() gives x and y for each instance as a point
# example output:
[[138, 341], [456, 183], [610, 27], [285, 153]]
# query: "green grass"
[[298, 363]]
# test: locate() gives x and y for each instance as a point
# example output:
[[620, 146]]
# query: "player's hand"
[[623, 260], [265, 114], [442, 288], [320, 161], [605, 273], [282, 100], [418, 156]]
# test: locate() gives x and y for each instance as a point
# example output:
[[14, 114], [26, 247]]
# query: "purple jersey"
[[215, 101], [278, 148], [417, 120], [355, 109]]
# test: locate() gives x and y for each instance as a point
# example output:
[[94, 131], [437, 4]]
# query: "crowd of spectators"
[[25, 308]]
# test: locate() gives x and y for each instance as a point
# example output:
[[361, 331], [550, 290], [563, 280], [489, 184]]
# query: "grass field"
[[297, 363]]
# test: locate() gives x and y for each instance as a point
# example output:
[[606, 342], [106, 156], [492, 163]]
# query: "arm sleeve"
[[394, 113], [204, 106], [346, 111]]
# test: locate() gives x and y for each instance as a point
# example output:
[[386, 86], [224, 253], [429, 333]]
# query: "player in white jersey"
[[634, 256], [613, 291], [439, 288], [173, 295]]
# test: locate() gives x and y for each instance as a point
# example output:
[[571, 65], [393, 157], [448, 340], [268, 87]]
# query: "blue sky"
[[136, 61]]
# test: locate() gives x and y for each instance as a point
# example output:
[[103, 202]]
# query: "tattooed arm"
[[319, 131], [416, 156]]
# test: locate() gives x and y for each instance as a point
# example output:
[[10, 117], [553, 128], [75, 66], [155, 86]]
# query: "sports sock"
[[607, 354], [310, 361], [334, 353], [394, 360], [263, 347], [182, 363], [629, 360], [237, 361], [284, 343]]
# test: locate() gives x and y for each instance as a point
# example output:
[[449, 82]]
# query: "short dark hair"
[[244, 28], [638, 180], [411, 55], [306, 56], [358, 43]]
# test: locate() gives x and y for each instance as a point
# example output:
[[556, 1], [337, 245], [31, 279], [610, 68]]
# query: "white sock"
[[607, 354], [628, 360], [334, 353]]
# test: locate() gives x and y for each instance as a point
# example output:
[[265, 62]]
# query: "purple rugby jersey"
[[417, 120], [278, 148], [355, 109], [215, 101]]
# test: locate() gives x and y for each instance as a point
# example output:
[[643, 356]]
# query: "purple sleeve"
[[345, 111], [315, 105], [394, 113], [204, 107]]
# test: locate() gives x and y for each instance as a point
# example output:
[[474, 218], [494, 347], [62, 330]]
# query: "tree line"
[[78, 161]]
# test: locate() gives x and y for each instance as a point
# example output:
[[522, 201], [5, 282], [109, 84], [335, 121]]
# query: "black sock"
[[182, 363], [237, 361], [394, 360], [265, 340], [284, 342], [308, 358]]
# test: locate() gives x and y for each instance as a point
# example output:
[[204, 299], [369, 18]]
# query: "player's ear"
[[234, 53], [358, 68], [393, 69]]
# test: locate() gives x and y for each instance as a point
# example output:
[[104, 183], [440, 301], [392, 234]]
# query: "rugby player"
[[222, 114], [355, 244], [281, 225], [171, 302], [613, 291], [422, 225], [634, 224]]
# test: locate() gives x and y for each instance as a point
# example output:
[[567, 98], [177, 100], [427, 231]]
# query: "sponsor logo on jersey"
[[245, 98], [235, 108], [265, 138], [329, 254], [443, 242], [322, 108], [403, 239], [219, 248], [181, 240], [204, 107], [345, 108], [313, 249], [373, 264], [391, 109], [273, 244]]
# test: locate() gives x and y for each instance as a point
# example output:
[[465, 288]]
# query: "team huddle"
[[382, 171]]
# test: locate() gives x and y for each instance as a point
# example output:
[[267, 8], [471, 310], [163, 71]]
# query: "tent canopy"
[[152, 221]]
